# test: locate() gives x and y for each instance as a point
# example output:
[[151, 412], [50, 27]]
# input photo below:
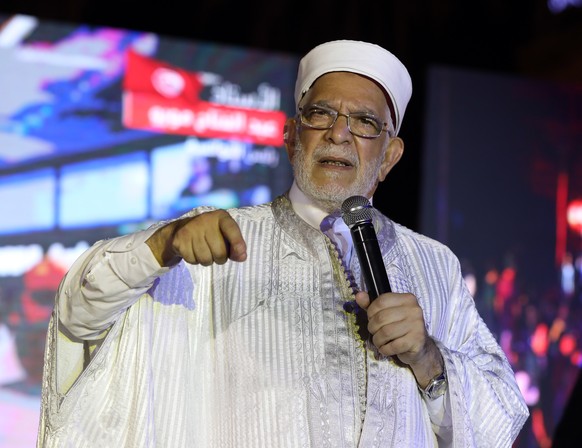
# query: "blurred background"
[[492, 163], [538, 39]]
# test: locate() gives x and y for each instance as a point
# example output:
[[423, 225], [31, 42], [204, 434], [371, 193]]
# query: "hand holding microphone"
[[397, 326]]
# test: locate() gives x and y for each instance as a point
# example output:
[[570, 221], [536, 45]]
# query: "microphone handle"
[[370, 257]]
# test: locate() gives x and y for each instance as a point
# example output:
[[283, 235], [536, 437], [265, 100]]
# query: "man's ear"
[[290, 137], [391, 157]]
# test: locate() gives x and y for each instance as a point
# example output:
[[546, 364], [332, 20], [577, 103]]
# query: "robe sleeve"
[[104, 281], [487, 408]]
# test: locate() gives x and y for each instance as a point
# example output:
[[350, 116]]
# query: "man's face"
[[331, 165]]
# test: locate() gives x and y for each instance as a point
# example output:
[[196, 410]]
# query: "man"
[[238, 328]]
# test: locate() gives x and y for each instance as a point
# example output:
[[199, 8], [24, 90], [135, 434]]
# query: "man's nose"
[[340, 131]]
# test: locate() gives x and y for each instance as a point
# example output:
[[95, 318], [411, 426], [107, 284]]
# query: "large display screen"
[[103, 131]]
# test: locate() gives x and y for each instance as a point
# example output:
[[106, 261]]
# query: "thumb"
[[363, 299], [237, 246]]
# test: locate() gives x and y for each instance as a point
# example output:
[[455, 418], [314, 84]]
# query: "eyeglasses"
[[361, 124]]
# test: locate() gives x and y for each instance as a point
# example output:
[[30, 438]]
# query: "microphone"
[[357, 213]]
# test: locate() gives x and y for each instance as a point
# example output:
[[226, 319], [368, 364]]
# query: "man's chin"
[[328, 197], [329, 202]]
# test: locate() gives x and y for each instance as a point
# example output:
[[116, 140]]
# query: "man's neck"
[[305, 207]]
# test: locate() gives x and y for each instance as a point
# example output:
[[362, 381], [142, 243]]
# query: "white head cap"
[[362, 58]]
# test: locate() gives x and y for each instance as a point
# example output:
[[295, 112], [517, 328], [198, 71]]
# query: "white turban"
[[362, 58]]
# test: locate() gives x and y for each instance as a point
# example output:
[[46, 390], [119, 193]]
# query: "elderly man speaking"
[[252, 327]]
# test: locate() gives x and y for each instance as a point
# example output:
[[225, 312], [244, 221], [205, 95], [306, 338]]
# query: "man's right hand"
[[211, 237]]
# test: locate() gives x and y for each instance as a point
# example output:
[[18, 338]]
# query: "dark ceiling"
[[515, 37]]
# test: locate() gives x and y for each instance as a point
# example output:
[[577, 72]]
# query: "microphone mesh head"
[[357, 209]]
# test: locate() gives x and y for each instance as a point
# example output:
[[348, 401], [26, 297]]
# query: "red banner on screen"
[[162, 98], [143, 74]]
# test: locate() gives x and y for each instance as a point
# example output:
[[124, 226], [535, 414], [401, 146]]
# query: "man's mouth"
[[335, 162]]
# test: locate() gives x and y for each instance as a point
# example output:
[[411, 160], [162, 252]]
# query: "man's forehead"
[[338, 86]]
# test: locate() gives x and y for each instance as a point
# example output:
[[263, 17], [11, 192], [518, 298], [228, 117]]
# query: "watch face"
[[437, 387]]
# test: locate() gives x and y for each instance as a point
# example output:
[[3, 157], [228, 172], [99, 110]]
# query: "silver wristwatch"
[[436, 387]]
